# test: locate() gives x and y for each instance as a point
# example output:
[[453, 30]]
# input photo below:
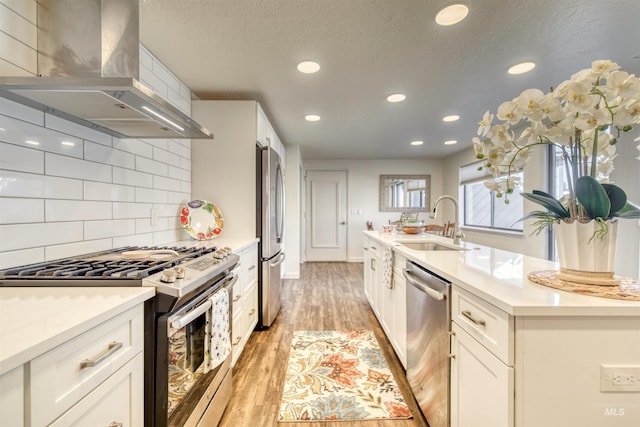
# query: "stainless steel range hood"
[[88, 72]]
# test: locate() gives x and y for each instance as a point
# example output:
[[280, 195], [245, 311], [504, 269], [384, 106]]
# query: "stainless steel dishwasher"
[[428, 325]]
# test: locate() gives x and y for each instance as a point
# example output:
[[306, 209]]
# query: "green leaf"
[[617, 197], [547, 201], [593, 197], [628, 211]]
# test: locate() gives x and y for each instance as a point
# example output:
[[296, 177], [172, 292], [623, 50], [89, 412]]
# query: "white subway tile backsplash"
[[151, 166], [163, 183], [165, 156], [32, 136], [109, 192], [15, 237], [18, 184], [134, 240], [146, 59], [111, 228], [71, 128], [132, 210], [18, 53], [94, 192], [21, 257], [168, 236], [75, 168], [12, 109], [180, 150], [181, 174], [24, 8], [144, 195], [143, 225], [18, 27], [102, 154], [161, 143], [161, 72], [129, 177], [76, 210], [19, 211], [178, 198], [77, 248], [134, 146], [21, 159]]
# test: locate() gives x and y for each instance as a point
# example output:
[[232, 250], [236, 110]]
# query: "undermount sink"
[[429, 246]]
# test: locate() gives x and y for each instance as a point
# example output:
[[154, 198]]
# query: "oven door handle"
[[181, 321]]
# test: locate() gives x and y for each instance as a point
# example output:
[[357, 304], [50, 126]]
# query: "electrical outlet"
[[619, 378]]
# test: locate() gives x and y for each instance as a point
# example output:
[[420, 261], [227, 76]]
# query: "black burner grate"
[[85, 267]]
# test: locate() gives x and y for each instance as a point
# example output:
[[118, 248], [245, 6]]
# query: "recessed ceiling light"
[[31, 142], [451, 14], [450, 142], [312, 117], [396, 97], [637, 138], [308, 67], [521, 68], [417, 142], [68, 143], [451, 118]]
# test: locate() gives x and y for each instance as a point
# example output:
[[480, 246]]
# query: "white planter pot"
[[584, 258]]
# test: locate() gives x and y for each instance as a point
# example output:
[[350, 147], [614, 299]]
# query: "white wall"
[[57, 199], [293, 194], [363, 178]]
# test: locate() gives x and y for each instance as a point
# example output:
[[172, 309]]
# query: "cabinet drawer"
[[236, 301], [12, 397], [118, 401], [61, 377], [492, 327], [250, 265], [377, 249], [251, 308]]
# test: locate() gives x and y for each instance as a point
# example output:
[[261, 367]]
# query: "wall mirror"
[[404, 193]]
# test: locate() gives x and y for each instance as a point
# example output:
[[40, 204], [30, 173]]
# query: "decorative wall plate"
[[202, 219]]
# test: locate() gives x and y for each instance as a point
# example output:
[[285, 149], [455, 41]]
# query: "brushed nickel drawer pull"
[[253, 310], [237, 298], [113, 347], [115, 424], [237, 341], [480, 322], [252, 267]]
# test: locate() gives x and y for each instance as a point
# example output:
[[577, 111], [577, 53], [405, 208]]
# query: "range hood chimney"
[[88, 72]]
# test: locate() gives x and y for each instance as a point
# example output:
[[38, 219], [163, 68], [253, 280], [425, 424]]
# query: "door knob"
[[343, 223]]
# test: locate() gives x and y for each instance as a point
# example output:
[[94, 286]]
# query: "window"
[[481, 207]]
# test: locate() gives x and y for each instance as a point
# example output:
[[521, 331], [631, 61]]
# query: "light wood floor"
[[328, 296]]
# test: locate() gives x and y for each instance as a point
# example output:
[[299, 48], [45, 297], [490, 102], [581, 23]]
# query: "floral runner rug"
[[339, 376]]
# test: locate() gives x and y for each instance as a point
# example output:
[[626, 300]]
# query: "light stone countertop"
[[35, 320], [500, 278]]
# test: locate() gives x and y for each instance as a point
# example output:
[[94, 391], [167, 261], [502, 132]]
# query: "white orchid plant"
[[584, 117]]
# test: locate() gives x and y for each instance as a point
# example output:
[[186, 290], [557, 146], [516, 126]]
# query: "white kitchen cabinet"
[[481, 385], [223, 170], [63, 377], [12, 397], [245, 300], [388, 303], [482, 372]]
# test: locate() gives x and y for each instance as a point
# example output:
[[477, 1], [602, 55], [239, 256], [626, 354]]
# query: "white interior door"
[[326, 216]]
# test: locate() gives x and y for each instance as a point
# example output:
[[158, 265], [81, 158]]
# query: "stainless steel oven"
[[185, 384], [189, 387]]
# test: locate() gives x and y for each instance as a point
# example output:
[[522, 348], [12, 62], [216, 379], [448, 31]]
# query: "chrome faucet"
[[457, 234]]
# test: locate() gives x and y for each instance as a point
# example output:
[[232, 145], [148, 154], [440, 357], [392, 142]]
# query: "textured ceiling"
[[368, 49]]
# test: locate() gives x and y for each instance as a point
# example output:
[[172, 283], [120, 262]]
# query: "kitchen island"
[[524, 354]]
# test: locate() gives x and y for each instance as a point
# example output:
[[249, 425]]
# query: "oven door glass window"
[[186, 359]]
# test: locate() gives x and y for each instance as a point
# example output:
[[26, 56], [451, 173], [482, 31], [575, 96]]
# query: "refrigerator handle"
[[279, 203], [278, 260]]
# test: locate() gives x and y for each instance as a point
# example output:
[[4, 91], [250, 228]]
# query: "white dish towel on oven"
[[219, 346]]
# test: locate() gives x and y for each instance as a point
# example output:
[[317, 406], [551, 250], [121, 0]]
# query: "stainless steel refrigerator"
[[270, 228]]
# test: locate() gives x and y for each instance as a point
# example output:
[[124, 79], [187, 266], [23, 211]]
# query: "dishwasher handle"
[[422, 287]]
